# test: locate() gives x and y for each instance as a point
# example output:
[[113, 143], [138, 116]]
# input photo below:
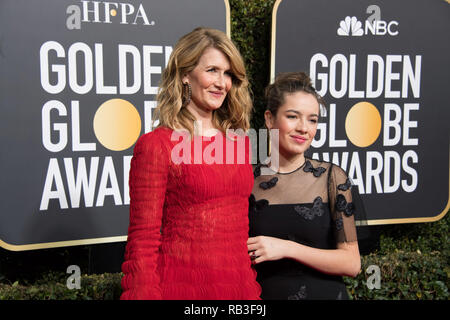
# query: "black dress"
[[295, 206]]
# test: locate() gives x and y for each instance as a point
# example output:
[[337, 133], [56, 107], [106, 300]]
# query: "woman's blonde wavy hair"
[[237, 107]]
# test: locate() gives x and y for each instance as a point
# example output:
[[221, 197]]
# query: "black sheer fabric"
[[313, 205]]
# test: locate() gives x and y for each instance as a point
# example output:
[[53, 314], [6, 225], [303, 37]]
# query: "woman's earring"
[[187, 93], [269, 142]]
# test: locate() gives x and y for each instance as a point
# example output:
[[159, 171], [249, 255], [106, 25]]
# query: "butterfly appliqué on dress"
[[339, 223], [268, 184], [311, 213], [345, 186], [317, 172], [343, 206]]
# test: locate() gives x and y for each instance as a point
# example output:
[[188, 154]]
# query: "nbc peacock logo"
[[350, 26]]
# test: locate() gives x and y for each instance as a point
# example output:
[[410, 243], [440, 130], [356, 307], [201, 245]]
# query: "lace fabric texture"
[[313, 206], [188, 222], [311, 188]]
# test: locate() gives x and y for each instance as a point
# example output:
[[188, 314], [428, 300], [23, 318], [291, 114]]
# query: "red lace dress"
[[188, 221]]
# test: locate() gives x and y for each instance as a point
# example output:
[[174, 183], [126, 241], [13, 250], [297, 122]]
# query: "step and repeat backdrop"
[[383, 69], [78, 81]]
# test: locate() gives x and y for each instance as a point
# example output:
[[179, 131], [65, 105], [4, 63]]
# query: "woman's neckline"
[[295, 170]]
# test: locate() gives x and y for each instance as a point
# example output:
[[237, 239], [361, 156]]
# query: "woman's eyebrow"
[[298, 112]]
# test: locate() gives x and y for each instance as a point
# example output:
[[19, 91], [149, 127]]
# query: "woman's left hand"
[[264, 248]]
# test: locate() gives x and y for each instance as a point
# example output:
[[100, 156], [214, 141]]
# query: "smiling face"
[[210, 81], [296, 119]]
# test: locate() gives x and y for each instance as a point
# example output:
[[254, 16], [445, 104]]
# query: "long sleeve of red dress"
[[148, 179], [188, 224]]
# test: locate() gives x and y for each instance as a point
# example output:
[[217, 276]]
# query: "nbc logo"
[[351, 26]]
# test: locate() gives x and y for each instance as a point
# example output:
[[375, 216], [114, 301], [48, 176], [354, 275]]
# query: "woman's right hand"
[[263, 248]]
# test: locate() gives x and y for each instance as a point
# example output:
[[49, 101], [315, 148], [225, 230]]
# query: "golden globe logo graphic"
[[363, 124], [104, 12], [117, 124], [83, 178]]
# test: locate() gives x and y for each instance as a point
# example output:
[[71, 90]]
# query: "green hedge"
[[404, 275], [414, 263], [251, 25], [53, 287]]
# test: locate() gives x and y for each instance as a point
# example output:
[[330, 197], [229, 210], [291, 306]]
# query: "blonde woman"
[[189, 215]]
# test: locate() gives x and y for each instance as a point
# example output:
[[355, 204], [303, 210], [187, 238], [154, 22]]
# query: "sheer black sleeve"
[[341, 205]]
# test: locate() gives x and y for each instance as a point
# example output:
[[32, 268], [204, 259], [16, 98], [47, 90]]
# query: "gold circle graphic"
[[117, 124], [113, 12], [363, 124]]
